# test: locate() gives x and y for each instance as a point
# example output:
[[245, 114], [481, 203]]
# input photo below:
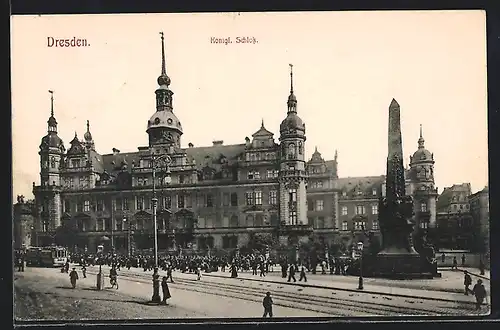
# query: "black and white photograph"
[[250, 165]]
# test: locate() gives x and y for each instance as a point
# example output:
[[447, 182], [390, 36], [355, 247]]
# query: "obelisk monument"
[[398, 255]]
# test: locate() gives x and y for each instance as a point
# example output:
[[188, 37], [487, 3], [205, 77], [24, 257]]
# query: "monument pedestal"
[[401, 266]]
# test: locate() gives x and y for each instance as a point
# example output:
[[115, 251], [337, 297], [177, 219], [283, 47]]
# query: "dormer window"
[[374, 192], [75, 163], [253, 175], [344, 193]]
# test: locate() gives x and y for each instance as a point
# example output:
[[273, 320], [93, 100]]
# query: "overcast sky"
[[347, 68]]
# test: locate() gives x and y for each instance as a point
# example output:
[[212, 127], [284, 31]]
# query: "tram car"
[[51, 256]]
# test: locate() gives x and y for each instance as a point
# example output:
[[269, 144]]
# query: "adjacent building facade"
[[219, 196]]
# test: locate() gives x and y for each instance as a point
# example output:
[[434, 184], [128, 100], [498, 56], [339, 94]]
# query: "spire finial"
[[336, 154], [163, 68], [315, 148], [291, 78], [421, 140], [51, 103], [88, 125], [76, 135], [262, 123]]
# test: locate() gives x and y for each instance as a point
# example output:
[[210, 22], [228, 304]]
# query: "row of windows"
[[360, 225], [255, 157], [250, 220], [183, 201], [255, 174], [359, 193], [359, 210]]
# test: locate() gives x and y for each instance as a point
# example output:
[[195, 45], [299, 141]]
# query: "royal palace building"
[[219, 197]]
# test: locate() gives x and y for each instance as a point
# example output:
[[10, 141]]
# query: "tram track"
[[334, 306]]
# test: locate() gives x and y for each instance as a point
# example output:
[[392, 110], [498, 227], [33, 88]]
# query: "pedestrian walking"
[[463, 259], [455, 263], [291, 273], [20, 263], [165, 289], [198, 272], [302, 274], [480, 293], [268, 305], [262, 269], [467, 282], [84, 271], [443, 258], [73, 276], [169, 273]]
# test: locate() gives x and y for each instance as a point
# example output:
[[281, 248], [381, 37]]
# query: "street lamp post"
[[127, 223], [156, 278], [360, 284]]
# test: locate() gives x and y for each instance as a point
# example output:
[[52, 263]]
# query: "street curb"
[[351, 290], [477, 275]]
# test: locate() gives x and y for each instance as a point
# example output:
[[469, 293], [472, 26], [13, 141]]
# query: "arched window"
[[291, 151]]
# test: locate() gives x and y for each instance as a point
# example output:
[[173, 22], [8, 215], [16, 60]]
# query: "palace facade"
[[219, 196]]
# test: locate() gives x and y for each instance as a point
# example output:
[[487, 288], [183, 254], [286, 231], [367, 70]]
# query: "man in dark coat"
[[73, 276], [480, 293], [268, 305], [291, 273], [467, 282]]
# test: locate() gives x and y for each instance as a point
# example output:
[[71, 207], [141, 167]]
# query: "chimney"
[[247, 141], [116, 151], [217, 142], [190, 145]]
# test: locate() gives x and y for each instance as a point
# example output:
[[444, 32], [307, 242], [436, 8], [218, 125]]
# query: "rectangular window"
[[319, 205], [344, 225], [423, 207], [321, 222], [119, 224], [100, 225], [180, 202], [359, 225], [258, 197], [225, 199], [374, 192], [249, 198], [424, 225], [234, 199], [181, 178], [118, 204], [360, 209], [147, 203], [188, 201], [67, 206], [273, 197], [86, 206], [139, 203], [344, 210], [310, 205], [210, 200], [374, 225], [344, 193], [293, 217], [167, 202], [374, 209], [125, 204], [75, 163], [100, 205], [320, 184]]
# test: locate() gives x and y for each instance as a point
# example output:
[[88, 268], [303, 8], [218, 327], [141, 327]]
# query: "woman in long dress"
[[166, 291]]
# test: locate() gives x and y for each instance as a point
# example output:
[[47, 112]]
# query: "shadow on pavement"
[[65, 287]]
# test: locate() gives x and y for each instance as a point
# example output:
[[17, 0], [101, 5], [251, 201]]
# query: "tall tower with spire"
[[292, 177], [48, 195], [421, 179], [164, 128]]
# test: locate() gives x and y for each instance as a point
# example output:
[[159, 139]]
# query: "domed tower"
[[292, 177], [164, 128], [48, 196], [421, 180]]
